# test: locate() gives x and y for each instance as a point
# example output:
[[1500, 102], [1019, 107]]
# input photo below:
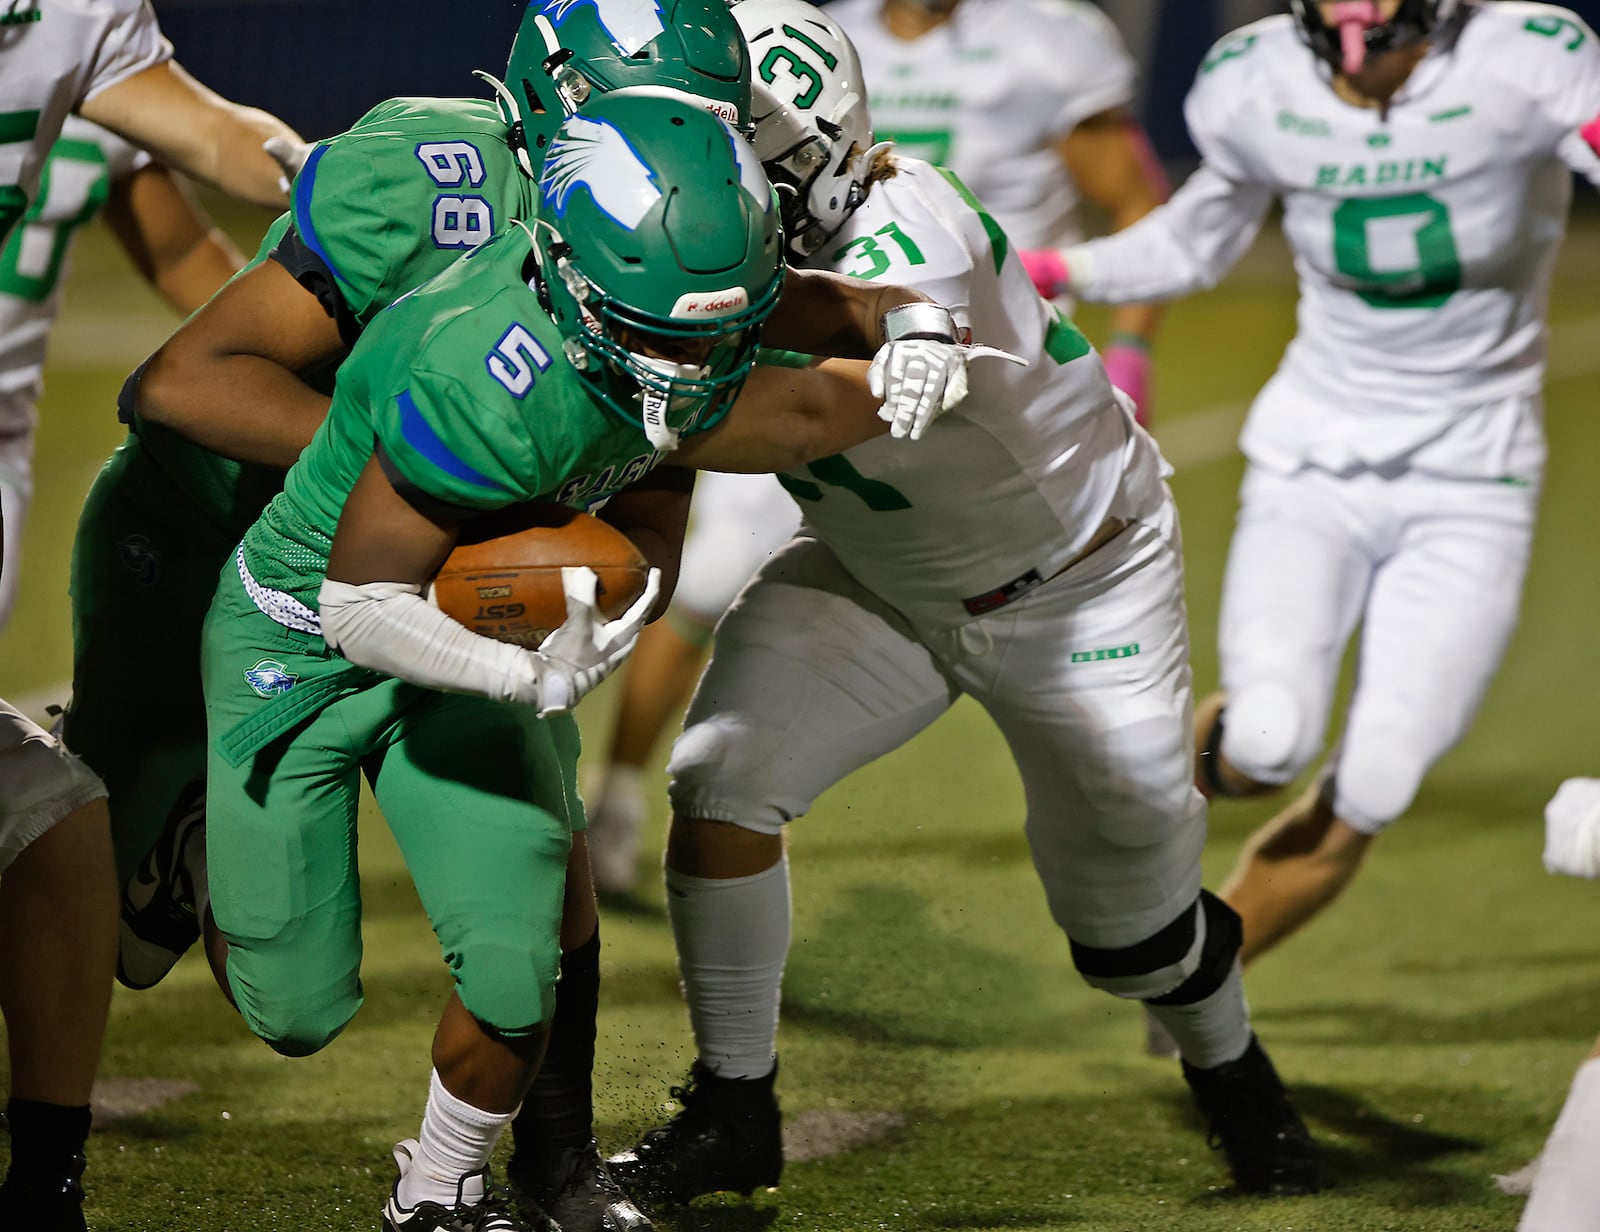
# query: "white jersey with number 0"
[[54, 54], [77, 177], [1424, 235], [990, 92], [1010, 485]]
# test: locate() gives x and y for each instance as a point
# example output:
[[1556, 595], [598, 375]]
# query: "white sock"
[[1212, 1031], [1566, 1191], [733, 937], [456, 1141]]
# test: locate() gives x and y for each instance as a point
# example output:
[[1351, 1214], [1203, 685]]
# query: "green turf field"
[[1429, 1025]]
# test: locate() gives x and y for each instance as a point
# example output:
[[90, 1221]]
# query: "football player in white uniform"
[[1422, 150], [107, 61], [1025, 553], [1028, 102], [165, 233]]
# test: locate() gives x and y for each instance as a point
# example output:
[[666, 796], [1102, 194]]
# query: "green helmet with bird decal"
[[569, 51], [659, 247]]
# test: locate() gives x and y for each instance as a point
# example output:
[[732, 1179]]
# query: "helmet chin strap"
[[519, 142], [1353, 18], [656, 404]]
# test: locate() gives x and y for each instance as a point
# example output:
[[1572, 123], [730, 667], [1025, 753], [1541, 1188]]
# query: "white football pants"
[[1432, 569], [1087, 677]]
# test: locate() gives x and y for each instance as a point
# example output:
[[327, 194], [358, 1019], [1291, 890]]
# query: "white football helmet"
[[813, 132]]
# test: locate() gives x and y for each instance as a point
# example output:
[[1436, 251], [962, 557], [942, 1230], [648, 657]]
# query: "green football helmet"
[[567, 51], [660, 254]]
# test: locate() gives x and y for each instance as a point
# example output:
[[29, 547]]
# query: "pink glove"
[[1590, 132], [1047, 269], [1128, 366]]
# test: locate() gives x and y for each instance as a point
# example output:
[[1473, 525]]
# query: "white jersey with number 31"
[[1424, 235], [1012, 483]]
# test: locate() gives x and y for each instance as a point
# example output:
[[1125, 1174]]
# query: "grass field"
[[1429, 1025]]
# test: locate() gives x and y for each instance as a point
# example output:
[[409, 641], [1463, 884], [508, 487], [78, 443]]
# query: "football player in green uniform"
[[556, 363], [376, 212]]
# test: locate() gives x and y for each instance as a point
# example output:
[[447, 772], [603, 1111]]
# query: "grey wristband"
[[919, 320]]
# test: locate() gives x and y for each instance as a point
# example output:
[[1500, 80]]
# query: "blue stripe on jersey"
[[304, 186], [419, 434]]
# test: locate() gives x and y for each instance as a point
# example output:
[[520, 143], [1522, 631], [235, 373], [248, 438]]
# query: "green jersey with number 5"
[[1013, 482], [1424, 234], [466, 395]]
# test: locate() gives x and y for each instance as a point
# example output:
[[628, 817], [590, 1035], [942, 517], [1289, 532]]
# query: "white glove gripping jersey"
[[1424, 237], [1011, 484], [989, 94], [54, 54], [76, 179]]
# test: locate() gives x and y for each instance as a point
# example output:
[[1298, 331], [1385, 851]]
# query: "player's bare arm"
[[786, 417], [228, 378], [196, 130], [654, 514], [1110, 159], [169, 238], [823, 313]]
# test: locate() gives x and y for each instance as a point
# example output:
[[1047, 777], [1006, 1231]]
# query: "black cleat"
[[729, 1136], [576, 1189], [1250, 1117], [159, 923], [52, 1204]]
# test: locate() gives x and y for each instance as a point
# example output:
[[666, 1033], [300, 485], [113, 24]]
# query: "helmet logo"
[[630, 24], [594, 154], [709, 305]]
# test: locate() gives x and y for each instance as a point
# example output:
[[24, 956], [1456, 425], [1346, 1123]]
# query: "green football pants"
[[144, 568], [478, 794]]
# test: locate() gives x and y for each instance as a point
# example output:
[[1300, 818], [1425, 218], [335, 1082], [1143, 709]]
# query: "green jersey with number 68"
[[1424, 235], [465, 392]]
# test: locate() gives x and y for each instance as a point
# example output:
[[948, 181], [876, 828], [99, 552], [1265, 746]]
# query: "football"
[[503, 580]]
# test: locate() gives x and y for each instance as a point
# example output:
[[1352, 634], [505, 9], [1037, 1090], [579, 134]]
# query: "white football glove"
[[586, 648], [1572, 829], [289, 155], [921, 371]]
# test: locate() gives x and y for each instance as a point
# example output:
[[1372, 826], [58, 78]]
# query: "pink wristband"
[[1590, 132], [1047, 269]]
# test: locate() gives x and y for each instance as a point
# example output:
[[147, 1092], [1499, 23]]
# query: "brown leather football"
[[503, 580]]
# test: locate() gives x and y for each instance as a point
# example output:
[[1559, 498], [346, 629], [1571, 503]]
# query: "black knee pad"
[[1224, 934]]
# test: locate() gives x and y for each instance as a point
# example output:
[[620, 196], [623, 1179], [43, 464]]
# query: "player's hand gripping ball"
[[503, 580]]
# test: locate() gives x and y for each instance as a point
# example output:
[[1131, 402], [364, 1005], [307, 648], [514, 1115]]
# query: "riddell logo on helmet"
[[712, 303], [722, 110]]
